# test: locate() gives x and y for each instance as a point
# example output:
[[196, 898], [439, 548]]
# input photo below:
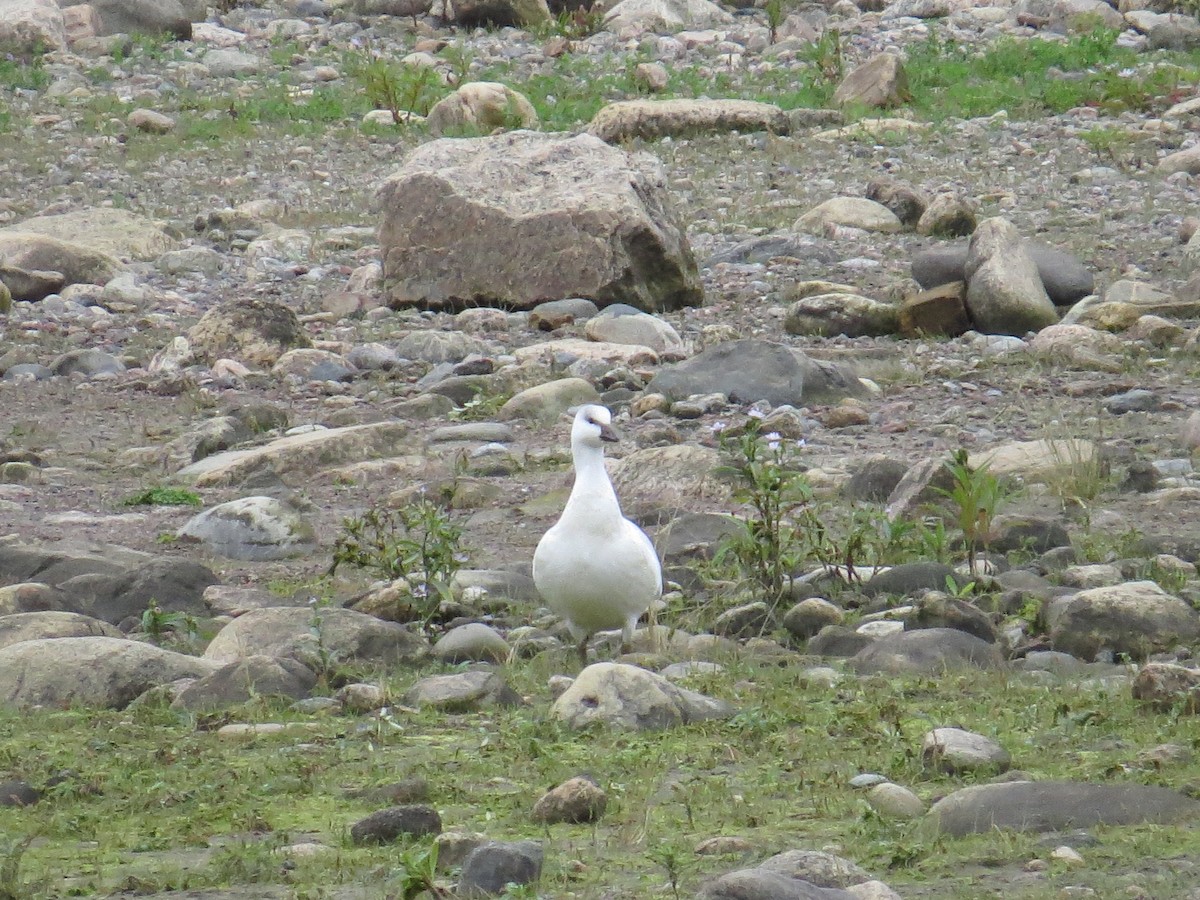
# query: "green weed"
[[163, 496], [419, 543], [158, 624], [977, 495]]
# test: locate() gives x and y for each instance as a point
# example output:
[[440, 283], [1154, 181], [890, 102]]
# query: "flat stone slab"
[[1056, 806]]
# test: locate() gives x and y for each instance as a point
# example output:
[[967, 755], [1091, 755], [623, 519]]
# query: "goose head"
[[593, 427]]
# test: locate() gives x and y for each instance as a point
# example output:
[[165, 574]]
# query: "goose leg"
[[627, 636]]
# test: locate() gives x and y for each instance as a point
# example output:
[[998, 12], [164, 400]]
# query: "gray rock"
[[143, 17], [487, 869], [473, 642], [910, 579], [28, 28], [1136, 619], [771, 246], [629, 697], [114, 232], [1004, 290], [254, 331], [1178, 33], [948, 215], [838, 642], [1163, 686], [54, 260], [481, 107], [314, 636], [462, 692], [18, 793], [557, 313], [957, 751], [388, 825], [245, 680], [694, 536], [930, 651], [494, 583], [34, 370], [547, 199], [301, 454], [745, 371], [650, 120], [905, 201], [830, 315], [763, 884], [89, 363], [939, 610], [544, 403], [102, 672], [177, 585], [227, 62], [879, 82], [256, 528], [439, 346], [1032, 533], [875, 479], [745, 621], [809, 616], [852, 212], [1064, 277], [893, 801], [515, 13], [816, 866], [33, 626], [574, 801], [1057, 806], [24, 284], [643, 330]]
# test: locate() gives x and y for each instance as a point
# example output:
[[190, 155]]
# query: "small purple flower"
[[756, 413], [772, 440], [717, 427]]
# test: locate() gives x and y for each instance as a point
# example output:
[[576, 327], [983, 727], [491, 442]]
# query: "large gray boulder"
[[516, 219], [1064, 277], [90, 671], [665, 16], [625, 120], [113, 231], [316, 637], [1137, 619], [255, 528], [33, 626], [929, 651], [630, 697], [140, 17], [516, 13], [1004, 291], [31, 26], [1057, 806], [254, 331], [76, 263], [244, 680]]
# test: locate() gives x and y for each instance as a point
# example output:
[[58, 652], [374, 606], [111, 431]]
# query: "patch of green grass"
[[16, 74], [1033, 77], [151, 790], [164, 496]]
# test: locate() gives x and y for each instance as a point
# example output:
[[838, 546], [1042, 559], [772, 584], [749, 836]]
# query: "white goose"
[[594, 567]]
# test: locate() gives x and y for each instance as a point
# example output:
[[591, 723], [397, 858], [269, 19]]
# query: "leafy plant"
[[977, 495], [11, 854], [419, 543], [164, 496], [762, 470], [776, 13], [158, 624], [416, 873], [826, 58], [401, 89]]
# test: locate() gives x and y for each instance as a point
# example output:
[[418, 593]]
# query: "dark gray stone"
[[762, 249], [1057, 806], [938, 610], [88, 362], [930, 651], [387, 825], [489, 868], [18, 793], [745, 371], [38, 371], [912, 578], [246, 679], [694, 536], [763, 884], [1032, 533], [176, 584], [838, 641], [875, 479], [1063, 276]]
